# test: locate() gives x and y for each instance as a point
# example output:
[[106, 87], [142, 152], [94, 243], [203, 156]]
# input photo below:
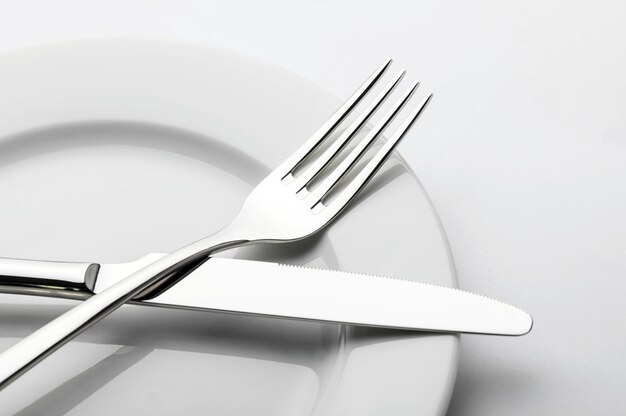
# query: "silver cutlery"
[[299, 198], [71, 280], [293, 292]]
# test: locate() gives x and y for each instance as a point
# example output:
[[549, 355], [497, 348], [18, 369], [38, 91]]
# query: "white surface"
[[113, 149], [522, 151]]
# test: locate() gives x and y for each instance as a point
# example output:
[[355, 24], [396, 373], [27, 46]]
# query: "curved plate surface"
[[113, 149]]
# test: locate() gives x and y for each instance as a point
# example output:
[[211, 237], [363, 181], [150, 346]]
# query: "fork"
[[299, 198]]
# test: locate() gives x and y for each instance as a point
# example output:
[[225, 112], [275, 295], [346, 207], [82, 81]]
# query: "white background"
[[523, 152]]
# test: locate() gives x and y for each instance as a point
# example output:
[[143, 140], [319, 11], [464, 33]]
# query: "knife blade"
[[294, 292]]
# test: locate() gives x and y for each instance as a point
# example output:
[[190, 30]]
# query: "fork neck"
[[235, 234]]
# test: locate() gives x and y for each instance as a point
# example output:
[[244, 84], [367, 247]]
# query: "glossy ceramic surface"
[[98, 140]]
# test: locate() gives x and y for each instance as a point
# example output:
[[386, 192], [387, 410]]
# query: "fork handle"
[[52, 275], [23, 355]]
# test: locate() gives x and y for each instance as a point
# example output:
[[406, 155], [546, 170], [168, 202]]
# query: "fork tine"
[[311, 144], [370, 169], [357, 153], [304, 178]]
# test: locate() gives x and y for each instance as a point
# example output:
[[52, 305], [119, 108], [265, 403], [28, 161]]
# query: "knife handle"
[[48, 274]]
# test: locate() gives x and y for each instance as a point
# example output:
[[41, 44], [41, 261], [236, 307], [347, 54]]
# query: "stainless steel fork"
[[299, 198]]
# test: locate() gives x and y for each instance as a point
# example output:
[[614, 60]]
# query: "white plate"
[[113, 149]]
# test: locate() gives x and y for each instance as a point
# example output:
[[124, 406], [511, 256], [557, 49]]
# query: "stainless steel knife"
[[271, 289]]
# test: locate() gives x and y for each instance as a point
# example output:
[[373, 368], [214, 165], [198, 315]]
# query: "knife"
[[277, 290]]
